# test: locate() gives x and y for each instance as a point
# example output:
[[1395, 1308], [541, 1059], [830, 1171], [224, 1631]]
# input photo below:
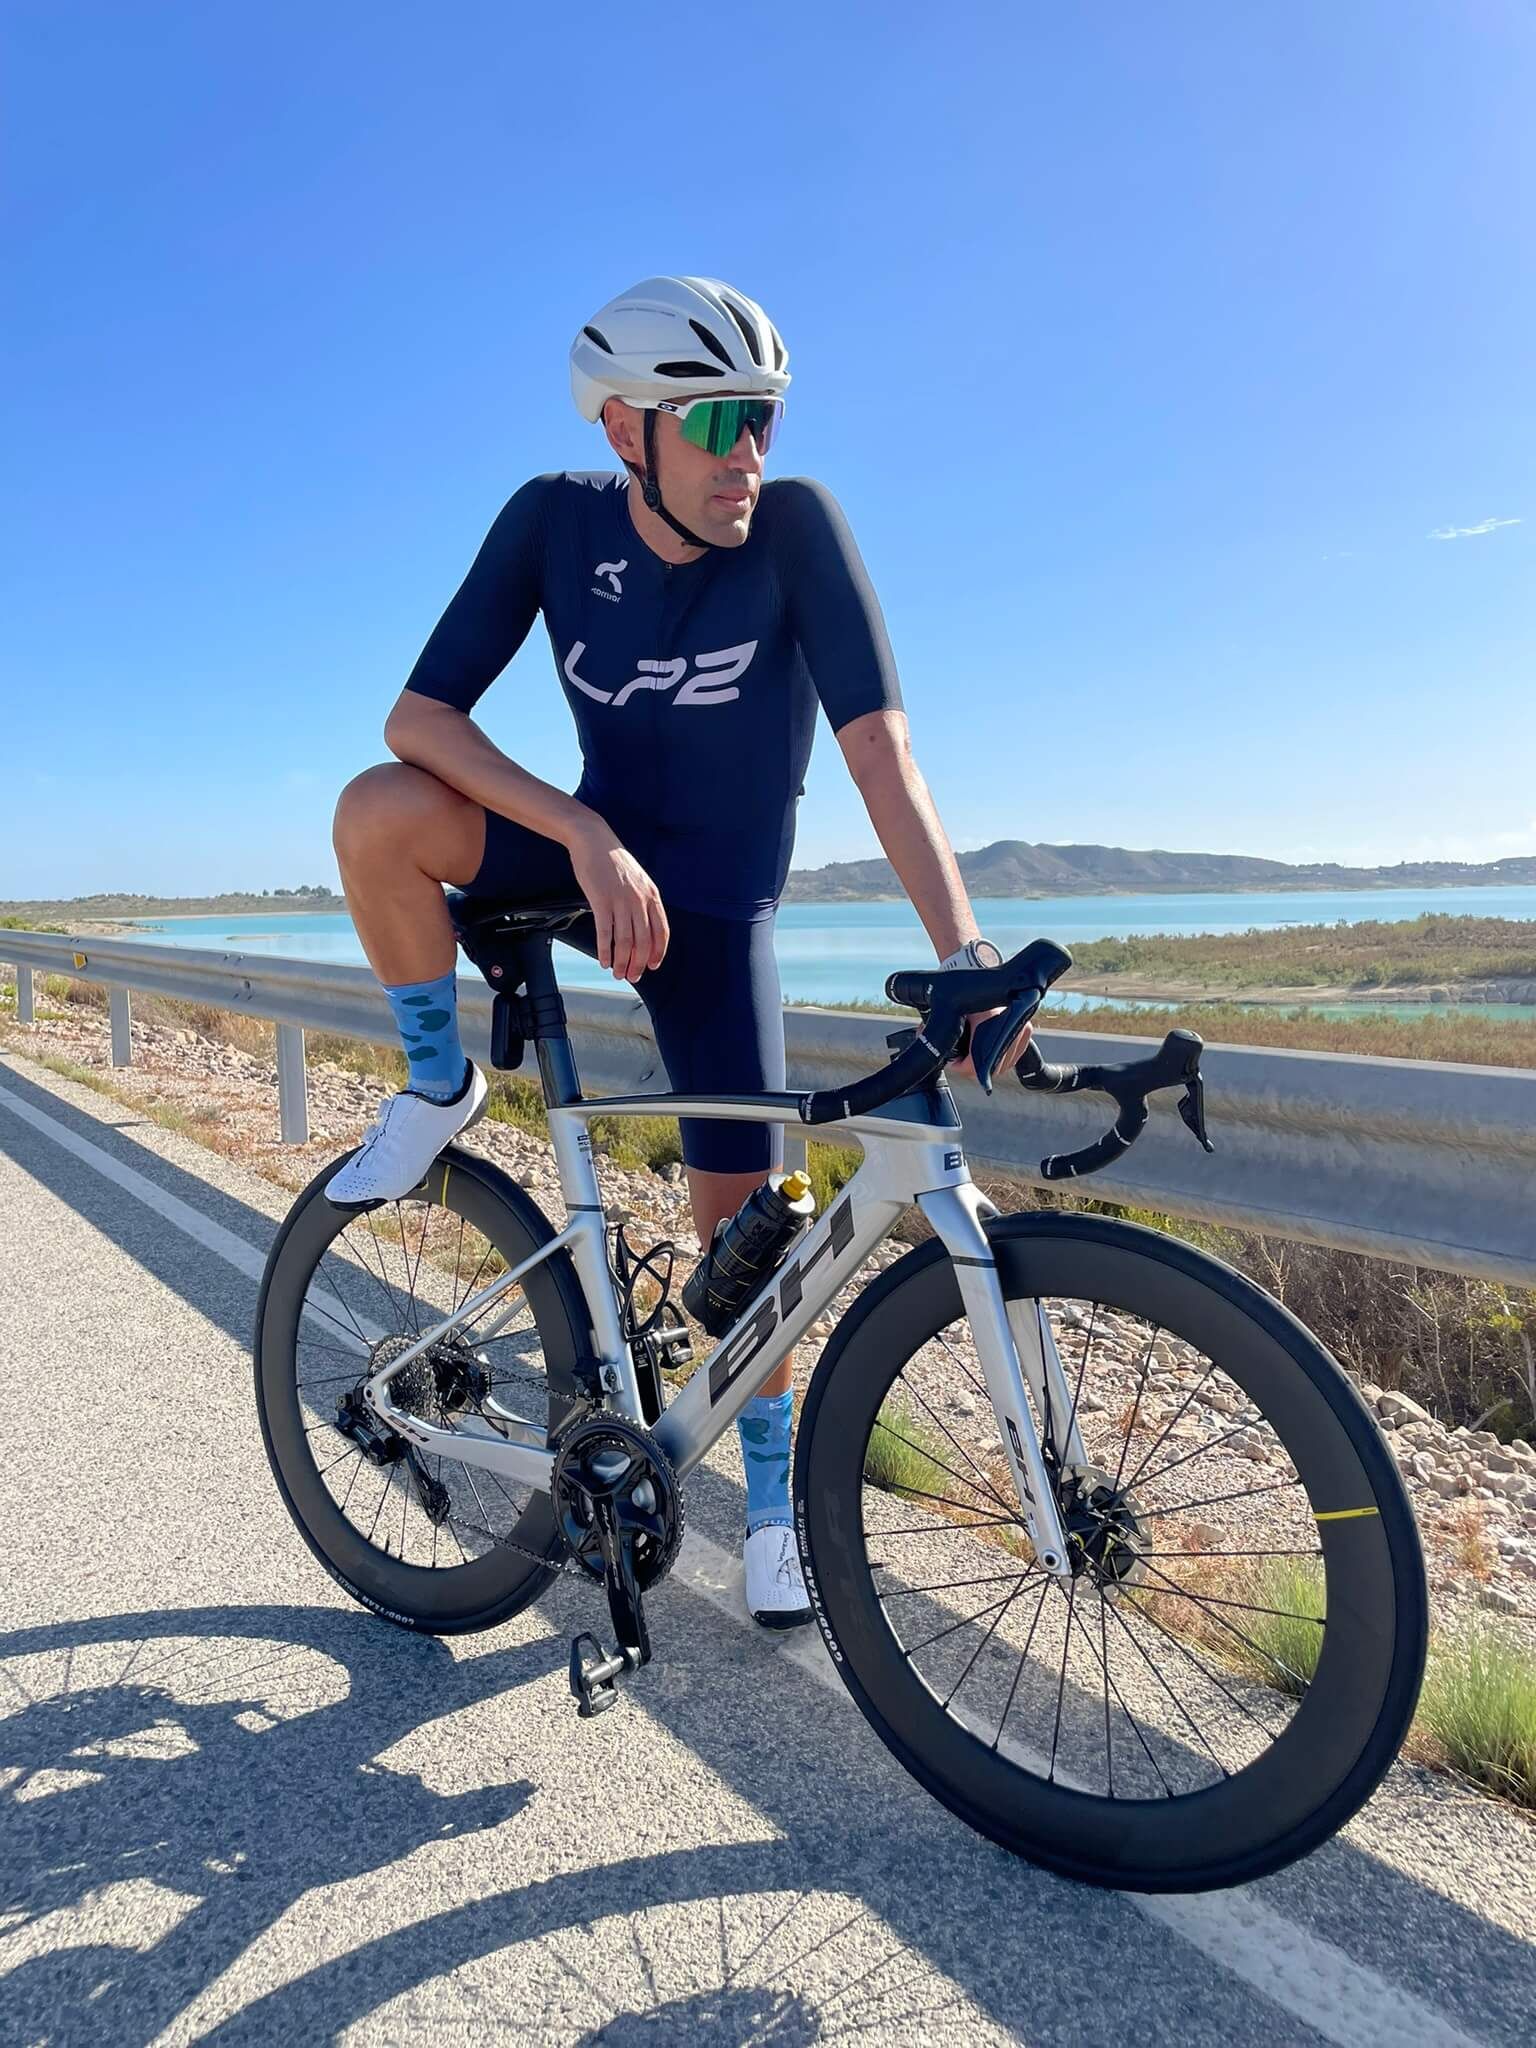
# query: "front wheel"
[[1234, 1662]]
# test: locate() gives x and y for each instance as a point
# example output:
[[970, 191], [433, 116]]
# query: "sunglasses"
[[716, 424]]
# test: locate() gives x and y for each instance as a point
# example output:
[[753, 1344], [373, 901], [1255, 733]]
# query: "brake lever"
[[1192, 1110], [990, 1039]]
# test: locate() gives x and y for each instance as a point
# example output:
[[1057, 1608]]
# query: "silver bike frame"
[[904, 1162]]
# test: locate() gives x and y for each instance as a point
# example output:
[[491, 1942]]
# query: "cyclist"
[[697, 614]]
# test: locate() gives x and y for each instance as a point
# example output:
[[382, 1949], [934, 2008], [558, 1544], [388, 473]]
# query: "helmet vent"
[[746, 332], [716, 348], [602, 342], [779, 357], [688, 370]]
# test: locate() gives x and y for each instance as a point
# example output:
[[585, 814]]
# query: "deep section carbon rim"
[[417, 1533], [1239, 1643]]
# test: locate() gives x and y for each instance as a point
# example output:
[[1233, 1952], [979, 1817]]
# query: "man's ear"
[[621, 423]]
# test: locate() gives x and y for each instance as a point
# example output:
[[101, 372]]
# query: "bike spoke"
[[1178, 1704], [1141, 1390], [1019, 1668], [1061, 1688], [938, 1463], [1169, 1427], [950, 1585], [991, 1626]]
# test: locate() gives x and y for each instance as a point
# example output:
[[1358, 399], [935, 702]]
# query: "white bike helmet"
[[676, 337]]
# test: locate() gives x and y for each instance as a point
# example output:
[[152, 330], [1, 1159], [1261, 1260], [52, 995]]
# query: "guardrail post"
[[292, 1086], [25, 1012], [118, 1009]]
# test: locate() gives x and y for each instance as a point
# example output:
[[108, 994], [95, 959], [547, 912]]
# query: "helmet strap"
[[650, 490]]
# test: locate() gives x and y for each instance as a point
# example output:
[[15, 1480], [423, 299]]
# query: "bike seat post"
[[546, 1015]]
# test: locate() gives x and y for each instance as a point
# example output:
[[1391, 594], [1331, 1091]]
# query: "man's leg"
[[399, 835], [714, 1197]]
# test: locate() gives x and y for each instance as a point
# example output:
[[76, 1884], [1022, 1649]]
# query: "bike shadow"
[[228, 1758]]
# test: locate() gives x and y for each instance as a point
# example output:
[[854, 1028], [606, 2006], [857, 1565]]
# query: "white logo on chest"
[[610, 572], [713, 680]]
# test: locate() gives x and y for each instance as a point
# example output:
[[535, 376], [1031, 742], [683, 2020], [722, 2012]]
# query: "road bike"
[[1100, 1539]]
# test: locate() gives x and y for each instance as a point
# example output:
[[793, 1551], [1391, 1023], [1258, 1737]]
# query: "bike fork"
[[1009, 1357]]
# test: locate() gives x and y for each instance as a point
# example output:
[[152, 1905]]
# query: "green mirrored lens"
[[716, 425]]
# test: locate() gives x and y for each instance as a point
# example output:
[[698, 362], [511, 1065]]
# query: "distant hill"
[[1014, 867], [241, 903], [1009, 867]]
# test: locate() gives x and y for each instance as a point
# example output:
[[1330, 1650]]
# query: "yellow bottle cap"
[[794, 1187]]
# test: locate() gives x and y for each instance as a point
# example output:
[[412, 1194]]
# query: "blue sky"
[[1146, 348]]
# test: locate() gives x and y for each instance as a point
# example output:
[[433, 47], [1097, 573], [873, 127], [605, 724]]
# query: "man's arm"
[[878, 750]]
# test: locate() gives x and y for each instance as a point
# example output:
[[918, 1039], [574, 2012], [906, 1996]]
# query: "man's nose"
[[746, 454]]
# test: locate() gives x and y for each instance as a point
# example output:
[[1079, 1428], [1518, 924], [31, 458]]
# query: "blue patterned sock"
[[763, 1427], [427, 1013]]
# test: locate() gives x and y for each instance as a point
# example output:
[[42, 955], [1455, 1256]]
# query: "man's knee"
[[393, 805]]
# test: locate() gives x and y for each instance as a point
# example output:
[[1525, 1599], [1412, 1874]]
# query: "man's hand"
[[1012, 1054], [632, 931]]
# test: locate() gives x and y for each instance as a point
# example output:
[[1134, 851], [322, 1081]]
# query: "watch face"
[[985, 954]]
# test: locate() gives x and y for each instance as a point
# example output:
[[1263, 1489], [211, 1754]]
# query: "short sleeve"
[[831, 604], [488, 618]]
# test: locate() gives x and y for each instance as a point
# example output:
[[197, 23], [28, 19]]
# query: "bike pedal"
[[593, 1684]]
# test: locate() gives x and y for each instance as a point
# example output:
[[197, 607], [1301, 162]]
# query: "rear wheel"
[[420, 1538], [1234, 1662]]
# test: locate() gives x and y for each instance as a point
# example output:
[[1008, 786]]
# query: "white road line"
[[235, 1251], [1345, 2001]]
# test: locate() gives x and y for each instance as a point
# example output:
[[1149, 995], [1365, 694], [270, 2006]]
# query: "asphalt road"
[[237, 1808]]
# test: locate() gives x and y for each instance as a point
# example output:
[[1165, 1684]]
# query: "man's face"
[[714, 496]]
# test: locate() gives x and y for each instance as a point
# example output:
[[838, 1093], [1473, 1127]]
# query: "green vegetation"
[[121, 903], [1285, 1643], [1460, 1035], [1421, 952], [1478, 1709], [904, 1456]]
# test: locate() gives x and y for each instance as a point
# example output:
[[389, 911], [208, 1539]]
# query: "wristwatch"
[[974, 953]]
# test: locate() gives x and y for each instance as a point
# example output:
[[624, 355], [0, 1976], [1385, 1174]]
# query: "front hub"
[[1105, 1537]]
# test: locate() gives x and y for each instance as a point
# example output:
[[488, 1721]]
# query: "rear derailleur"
[[619, 1508]]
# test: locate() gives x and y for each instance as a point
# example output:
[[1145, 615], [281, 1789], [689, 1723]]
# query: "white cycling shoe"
[[776, 1596], [410, 1132]]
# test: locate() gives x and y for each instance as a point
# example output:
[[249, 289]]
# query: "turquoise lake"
[[842, 952]]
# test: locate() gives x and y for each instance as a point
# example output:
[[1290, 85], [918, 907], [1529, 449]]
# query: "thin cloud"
[[1467, 532]]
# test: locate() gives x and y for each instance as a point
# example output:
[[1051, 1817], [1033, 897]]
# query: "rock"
[[1500, 1601], [1448, 1484], [1092, 1403], [1500, 1460], [1399, 1408], [1424, 1467]]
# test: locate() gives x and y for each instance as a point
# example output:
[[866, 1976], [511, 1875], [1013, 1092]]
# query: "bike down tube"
[[779, 1314], [956, 1214]]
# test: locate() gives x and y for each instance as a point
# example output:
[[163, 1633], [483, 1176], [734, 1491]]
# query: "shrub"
[[1479, 1709]]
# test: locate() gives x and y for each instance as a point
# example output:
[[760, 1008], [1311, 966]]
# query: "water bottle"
[[745, 1249]]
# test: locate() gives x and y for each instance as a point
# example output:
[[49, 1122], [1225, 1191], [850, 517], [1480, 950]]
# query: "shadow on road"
[[229, 1757]]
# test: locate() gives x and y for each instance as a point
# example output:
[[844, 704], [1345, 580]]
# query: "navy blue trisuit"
[[694, 689]]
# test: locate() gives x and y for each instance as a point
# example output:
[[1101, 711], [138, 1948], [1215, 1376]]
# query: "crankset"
[[619, 1509]]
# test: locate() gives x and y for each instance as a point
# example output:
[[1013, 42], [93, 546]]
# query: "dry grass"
[[1470, 1541]]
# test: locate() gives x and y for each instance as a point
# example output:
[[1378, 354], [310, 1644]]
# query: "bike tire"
[[490, 1587], [1351, 1717]]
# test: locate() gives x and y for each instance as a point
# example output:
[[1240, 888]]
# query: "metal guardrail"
[[1408, 1159]]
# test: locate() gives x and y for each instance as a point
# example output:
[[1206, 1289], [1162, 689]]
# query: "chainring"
[[610, 1455]]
